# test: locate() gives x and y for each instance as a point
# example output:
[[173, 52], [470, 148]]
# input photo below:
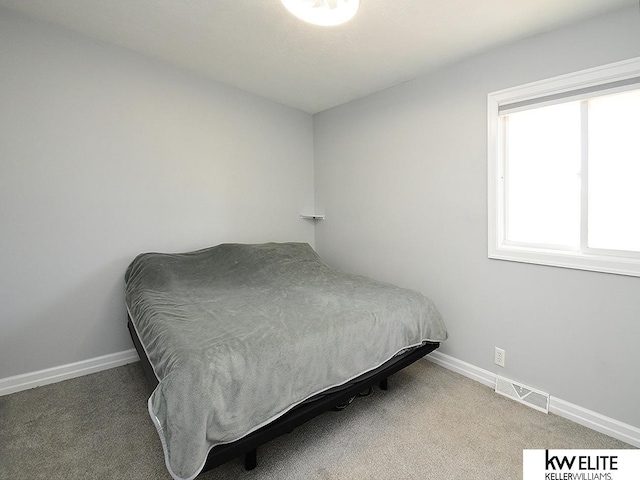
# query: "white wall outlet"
[[499, 357]]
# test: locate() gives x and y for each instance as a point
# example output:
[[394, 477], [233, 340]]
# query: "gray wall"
[[402, 178], [105, 154]]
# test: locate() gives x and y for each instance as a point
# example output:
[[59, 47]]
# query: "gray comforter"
[[239, 334]]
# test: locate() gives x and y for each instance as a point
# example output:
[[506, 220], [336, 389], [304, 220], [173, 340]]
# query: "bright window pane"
[[543, 176], [614, 172]]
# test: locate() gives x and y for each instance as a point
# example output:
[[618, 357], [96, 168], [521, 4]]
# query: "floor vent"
[[523, 394]]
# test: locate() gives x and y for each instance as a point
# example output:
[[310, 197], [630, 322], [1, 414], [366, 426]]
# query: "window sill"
[[565, 259]]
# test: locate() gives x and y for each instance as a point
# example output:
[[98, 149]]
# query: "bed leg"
[[251, 459], [384, 384]]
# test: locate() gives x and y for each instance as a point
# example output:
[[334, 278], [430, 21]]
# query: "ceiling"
[[256, 45]]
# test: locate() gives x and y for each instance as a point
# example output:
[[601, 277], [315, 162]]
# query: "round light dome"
[[323, 12]]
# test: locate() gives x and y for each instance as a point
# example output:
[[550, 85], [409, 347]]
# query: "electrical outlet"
[[499, 357]]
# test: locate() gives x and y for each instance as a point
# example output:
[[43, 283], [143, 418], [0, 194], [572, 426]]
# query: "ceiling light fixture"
[[323, 12]]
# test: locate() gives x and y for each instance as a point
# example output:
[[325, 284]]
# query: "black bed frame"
[[321, 403]]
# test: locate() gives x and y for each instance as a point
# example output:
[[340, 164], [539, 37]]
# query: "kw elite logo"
[[581, 465]]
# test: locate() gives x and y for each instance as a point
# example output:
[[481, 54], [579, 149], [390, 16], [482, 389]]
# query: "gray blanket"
[[240, 334]]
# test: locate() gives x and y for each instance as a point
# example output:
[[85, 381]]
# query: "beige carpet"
[[430, 424]]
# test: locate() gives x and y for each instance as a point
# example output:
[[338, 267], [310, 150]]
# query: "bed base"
[[302, 413]]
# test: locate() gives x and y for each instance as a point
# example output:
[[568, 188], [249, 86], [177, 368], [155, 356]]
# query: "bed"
[[242, 343]]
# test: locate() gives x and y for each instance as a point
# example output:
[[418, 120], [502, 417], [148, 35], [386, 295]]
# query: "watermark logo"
[[581, 465]]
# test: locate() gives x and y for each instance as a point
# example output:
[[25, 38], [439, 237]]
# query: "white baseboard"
[[595, 421], [463, 368], [26, 381], [600, 423], [608, 426]]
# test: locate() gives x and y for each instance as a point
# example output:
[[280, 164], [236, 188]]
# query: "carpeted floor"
[[430, 424]]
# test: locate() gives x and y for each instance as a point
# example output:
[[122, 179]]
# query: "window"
[[564, 171]]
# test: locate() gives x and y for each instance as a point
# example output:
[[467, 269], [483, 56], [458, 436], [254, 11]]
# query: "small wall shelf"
[[313, 217]]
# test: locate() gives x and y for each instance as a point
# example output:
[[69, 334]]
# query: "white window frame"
[[613, 77]]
